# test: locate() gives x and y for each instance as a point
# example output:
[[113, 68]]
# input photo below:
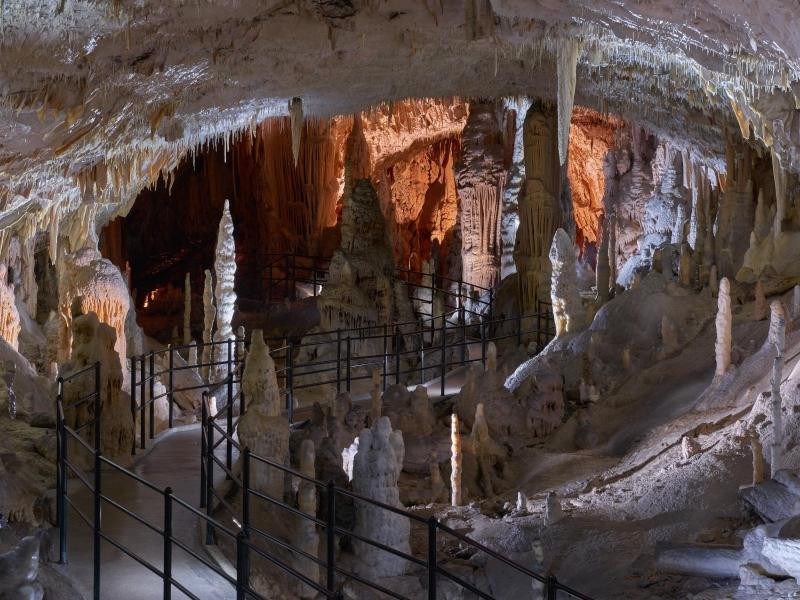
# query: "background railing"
[[432, 560]]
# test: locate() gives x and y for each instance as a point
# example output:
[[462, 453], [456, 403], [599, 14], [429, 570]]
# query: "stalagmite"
[[569, 50], [9, 316], [552, 510], [760, 305], [209, 315], [567, 308], [438, 488], [780, 176], [187, 310], [485, 450], [263, 429], [297, 119], [376, 470], [192, 358], [689, 447], [455, 462], [777, 339], [669, 335], [723, 324], [677, 229], [225, 274]]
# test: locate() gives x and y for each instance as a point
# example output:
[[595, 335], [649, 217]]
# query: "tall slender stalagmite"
[[777, 339], [224, 293], [723, 323], [455, 462], [209, 315]]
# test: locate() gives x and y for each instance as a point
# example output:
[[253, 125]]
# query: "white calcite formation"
[[263, 428], [724, 322], [90, 283], [376, 469], [209, 315], [224, 293], [93, 341], [9, 315], [777, 338], [567, 308], [456, 461], [539, 208]]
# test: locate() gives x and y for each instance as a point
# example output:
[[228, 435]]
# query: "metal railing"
[[332, 571], [68, 466], [283, 272]]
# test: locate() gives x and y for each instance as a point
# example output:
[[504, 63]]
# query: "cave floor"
[[174, 461]]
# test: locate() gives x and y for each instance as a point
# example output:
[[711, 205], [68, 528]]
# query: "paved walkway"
[[174, 461]]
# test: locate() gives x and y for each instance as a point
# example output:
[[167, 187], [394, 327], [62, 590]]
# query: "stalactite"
[[569, 50], [9, 317], [780, 176], [296, 116]]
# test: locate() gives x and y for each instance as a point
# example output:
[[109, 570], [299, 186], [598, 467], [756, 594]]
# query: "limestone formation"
[[90, 283], [685, 265], [776, 404], [796, 302], [689, 447], [491, 357], [669, 335], [567, 308], [603, 272], [713, 284], [376, 469], [263, 428], [375, 395], [455, 462], [305, 529], [760, 306], [552, 510], [92, 342], [187, 310], [9, 316], [224, 293], [486, 452], [723, 324], [758, 458], [481, 176], [539, 208], [209, 315], [438, 488]]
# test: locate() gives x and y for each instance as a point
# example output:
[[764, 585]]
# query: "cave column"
[[539, 209], [481, 178]]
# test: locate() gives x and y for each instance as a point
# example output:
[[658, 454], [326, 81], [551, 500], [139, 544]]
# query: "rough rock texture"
[[723, 323], [9, 315], [567, 308], [92, 283], [376, 469], [93, 341], [539, 209], [224, 292], [481, 176]]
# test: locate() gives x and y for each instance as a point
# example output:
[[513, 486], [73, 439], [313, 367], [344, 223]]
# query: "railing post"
[[209, 491], [203, 448], [444, 353], [229, 415], [551, 588], [385, 354], [330, 534], [133, 404], [349, 358], [152, 394], [397, 340], [96, 526], [432, 560], [462, 323], [167, 570], [171, 388], [243, 559], [421, 358], [338, 360], [242, 575], [142, 406], [61, 475], [483, 343], [290, 381]]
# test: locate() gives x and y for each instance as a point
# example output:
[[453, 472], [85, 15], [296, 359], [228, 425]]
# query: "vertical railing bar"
[[133, 404], [152, 394], [432, 560], [229, 414], [349, 359], [167, 567], [170, 396], [330, 535], [142, 406]]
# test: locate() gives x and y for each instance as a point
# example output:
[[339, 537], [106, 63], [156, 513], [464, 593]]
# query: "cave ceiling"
[[99, 99]]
